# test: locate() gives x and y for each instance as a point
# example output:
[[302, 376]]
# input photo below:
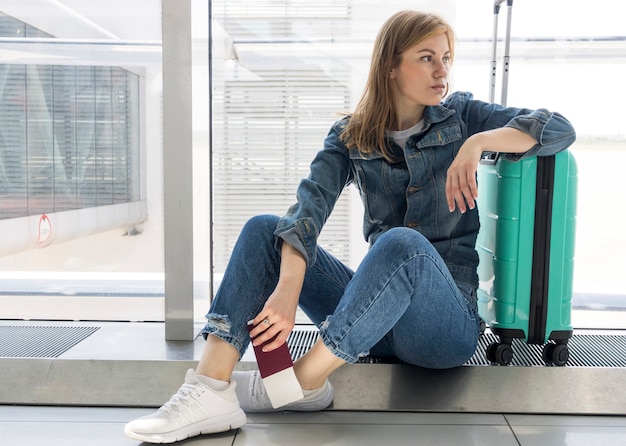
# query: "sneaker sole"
[[223, 423]]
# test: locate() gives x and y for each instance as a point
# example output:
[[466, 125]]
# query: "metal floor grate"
[[19, 341], [586, 350]]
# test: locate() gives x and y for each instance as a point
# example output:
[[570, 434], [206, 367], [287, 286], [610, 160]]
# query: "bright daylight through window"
[[81, 212]]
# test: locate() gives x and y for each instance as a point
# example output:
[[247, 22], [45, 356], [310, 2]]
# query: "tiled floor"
[[69, 426]]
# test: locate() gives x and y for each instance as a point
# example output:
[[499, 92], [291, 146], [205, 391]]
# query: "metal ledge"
[[366, 387], [529, 390]]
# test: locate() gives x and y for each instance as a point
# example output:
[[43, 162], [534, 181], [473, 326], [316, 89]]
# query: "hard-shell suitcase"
[[525, 244]]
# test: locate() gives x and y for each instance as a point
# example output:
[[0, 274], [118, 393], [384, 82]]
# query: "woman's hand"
[[461, 186], [277, 319], [278, 316]]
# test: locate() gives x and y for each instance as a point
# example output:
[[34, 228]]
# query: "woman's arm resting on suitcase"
[[461, 187]]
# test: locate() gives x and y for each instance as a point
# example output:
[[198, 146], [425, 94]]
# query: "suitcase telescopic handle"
[[494, 51], [497, 3], [492, 158]]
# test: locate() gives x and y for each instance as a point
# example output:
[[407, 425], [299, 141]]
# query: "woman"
[[414, 160]]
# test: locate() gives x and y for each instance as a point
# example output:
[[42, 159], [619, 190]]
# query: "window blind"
[[272, 109]]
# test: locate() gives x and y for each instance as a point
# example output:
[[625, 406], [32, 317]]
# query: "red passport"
[[279, 378]]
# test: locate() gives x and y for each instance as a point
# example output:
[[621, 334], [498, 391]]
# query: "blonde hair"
[[375, 112]]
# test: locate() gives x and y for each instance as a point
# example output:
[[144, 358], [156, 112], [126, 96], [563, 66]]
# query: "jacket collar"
[[436, 114]]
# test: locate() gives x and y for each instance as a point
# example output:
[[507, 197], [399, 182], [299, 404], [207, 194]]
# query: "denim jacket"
[[411, 192]]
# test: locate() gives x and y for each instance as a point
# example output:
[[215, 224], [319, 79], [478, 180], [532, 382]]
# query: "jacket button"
[[414, 189], [412, 224]]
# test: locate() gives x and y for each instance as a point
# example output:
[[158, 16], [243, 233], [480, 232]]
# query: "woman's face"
[[421, 78]]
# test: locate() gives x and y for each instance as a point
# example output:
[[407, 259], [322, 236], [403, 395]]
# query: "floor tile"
[[80, 426], [372, 435], [100, 426], [87, 434], [222, 439], [63, 434], [70, 414], [570, 435]]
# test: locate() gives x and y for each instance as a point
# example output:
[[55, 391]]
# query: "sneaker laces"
[[181, 402]]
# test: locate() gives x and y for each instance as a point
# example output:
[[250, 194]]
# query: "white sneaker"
[[253, 397], [195, 409]]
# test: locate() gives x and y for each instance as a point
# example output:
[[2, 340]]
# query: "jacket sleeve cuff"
[[552, 131], [301, 236]]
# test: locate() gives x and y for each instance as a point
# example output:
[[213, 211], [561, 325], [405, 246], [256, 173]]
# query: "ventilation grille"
[[585, 350], [40, 341]]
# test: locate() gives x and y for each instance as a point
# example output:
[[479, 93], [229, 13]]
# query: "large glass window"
[[81, 140], [285, 70], [81, 226], [69, 135]]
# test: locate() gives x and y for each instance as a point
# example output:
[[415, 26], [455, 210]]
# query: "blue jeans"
[[400, 303]]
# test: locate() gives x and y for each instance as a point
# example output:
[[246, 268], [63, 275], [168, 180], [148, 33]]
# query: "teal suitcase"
[[527, 213], [525, 244]]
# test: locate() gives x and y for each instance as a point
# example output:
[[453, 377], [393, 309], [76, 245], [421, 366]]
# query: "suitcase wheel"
[[482, 327], [555, 354], [501, 353]]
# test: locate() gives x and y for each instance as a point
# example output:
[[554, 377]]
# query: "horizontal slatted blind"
[[272, 111]]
